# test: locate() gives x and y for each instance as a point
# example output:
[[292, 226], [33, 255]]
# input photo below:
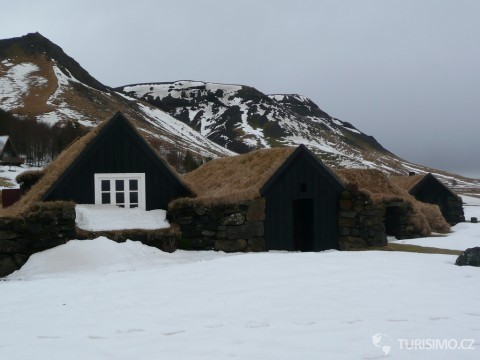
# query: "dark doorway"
[[392, 221], [303, 225]]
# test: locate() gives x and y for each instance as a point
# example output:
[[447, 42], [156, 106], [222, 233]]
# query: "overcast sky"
[[405, 71]]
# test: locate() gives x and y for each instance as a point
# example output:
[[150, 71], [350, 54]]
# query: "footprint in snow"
[[213, 326], [173, 333], [128, 331], [439, 318], [257, 325], [306, 323], [472, 314], [94, 337]]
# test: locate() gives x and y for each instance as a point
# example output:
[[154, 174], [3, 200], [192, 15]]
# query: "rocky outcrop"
[[470, 257]]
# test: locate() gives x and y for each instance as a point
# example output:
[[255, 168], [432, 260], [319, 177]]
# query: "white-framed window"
[[122, 189]]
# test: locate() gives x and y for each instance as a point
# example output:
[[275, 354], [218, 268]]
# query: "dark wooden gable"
[[6, 148], [118, 148], [8, 154], [301, 210], [431, 190], [430, 182]]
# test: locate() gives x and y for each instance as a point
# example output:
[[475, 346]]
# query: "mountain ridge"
[[38, 80], [270, 119]]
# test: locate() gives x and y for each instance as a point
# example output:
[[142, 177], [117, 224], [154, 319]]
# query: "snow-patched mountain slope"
[[242, 118], [38, 80]]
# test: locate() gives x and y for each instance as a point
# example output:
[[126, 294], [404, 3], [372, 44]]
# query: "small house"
[[403, 217], [429, 189], [8, 154], [270, 199], [112, 164]]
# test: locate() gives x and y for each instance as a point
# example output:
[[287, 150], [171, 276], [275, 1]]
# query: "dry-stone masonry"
[[224, 227], [45, 226]]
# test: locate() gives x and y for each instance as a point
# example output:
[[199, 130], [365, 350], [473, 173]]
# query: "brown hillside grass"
[[35, 100], [236, 178]]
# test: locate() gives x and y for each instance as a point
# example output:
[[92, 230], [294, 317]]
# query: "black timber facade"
[[118, 148], [8, 154], [431, 190], [301, 205]]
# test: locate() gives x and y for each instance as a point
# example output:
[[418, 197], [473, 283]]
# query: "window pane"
[[119, 197], [105, 185], [119, 185], [133, 184], [133, 206], [106, 198], [134, 197]]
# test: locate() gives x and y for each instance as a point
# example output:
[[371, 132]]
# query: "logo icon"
[[383, 342]]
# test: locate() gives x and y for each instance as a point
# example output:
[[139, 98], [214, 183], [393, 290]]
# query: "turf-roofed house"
[[386, 207], [429, 189], [112, 164], [270, 199]]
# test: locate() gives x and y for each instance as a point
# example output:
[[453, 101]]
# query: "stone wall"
[[229, 228], [361, 222], [45, 226], [163, 239]]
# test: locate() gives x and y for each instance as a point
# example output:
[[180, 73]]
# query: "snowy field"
[[96, 299], [463, 236]]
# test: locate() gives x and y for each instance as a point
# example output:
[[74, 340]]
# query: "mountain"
[[242, 118], [37, 79]]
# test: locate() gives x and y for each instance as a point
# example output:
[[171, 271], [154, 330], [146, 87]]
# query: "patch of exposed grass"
[[416, 249], [4, 182]]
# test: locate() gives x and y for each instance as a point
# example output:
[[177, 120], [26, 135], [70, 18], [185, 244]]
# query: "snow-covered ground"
[[96, 299], [111, 217], [463, 236]]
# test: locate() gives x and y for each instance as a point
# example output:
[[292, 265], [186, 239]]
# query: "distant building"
[[8, 154], [429, 189]]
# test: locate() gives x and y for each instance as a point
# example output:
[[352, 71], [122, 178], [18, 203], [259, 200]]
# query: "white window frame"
[[140, 177]]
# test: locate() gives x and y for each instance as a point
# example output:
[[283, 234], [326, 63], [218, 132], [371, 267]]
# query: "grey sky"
[[405, 71]]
